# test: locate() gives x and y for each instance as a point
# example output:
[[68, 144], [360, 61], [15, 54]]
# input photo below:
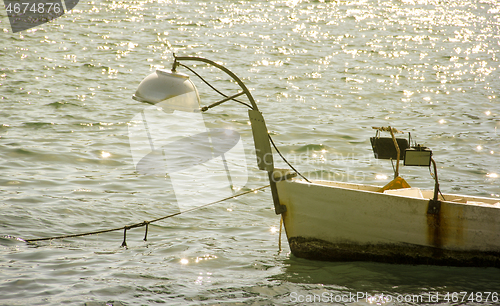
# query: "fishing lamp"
[[418, 156], [390, 148], [172, 90]]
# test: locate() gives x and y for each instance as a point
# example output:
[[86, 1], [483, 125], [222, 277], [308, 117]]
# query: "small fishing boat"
[[347, 222], [395, 223], [339, 221]]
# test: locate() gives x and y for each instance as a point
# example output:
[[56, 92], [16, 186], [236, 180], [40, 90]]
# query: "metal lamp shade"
[[169, 90]]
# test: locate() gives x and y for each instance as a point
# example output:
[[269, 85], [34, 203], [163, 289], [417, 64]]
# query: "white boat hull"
[[348, 222]]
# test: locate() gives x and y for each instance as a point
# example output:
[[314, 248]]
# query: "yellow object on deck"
[[396, 183]]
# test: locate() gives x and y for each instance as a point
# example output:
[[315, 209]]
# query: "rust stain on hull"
[[436, 228], [445, 225], [317, 249]]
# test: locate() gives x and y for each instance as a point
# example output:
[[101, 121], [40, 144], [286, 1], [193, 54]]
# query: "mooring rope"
[[144, 223], [279, 236]]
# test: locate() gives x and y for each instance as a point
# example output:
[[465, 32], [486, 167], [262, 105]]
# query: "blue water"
[[322, 72]]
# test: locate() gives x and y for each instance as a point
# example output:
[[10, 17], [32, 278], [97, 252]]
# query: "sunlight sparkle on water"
[[184, 261], [105, 154], [492, 175], [381, 177]]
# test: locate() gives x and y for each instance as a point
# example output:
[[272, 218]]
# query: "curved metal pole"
[[231, 74], [259, 129]]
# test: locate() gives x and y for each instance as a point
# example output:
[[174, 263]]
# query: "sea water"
[[322, 73]]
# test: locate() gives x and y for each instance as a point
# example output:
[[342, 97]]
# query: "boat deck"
[[411, 192]]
